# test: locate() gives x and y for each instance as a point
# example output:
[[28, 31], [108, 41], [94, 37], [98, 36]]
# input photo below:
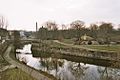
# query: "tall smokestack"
[[36, 26]]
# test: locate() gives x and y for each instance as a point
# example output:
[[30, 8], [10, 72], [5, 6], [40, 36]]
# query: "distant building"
[[11, 34], [22, 35], [88, 40]]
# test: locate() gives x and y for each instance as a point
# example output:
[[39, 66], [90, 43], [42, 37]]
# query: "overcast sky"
[[22, 14]]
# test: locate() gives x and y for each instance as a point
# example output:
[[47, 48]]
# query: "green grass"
[[115, 48], [3, 48], [15, 74], [3, 62], [68, 41]]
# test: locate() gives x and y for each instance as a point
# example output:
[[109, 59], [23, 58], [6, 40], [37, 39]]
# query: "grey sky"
[[22, 14]]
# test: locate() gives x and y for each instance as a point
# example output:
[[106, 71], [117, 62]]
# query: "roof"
[[85, 37]]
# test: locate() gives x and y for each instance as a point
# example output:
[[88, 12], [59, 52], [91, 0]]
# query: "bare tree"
[[51, 25], [94, 30], [3, 22], [77, 24], [119, 27], [93, 27], [105, 29], [64, 26]]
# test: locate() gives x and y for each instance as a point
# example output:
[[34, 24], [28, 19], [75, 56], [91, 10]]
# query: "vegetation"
[[2, 50], [3, 22], [3, 28], [15, 74], [115, 48], [16, 41], [3, 33], [2, 62], [68, 46], [103, 33], [68, 41]]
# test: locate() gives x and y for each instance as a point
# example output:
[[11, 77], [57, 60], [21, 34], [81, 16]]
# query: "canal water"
[[63, 69]]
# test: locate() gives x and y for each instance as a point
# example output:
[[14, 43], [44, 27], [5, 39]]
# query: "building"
[[88, 40]]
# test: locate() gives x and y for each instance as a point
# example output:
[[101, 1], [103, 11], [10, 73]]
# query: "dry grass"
[[15, 74]]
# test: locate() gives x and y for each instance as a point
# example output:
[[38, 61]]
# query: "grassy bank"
[[3, 62], [68, 41], [15, 74], [3, 48], [12, 74], [115, 48], [104, 48], [66, 45]]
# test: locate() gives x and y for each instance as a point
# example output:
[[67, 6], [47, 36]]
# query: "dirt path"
[[71, 45]]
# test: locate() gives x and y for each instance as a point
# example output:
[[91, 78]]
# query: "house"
[[22, 34], [11, 34], [88, 40]]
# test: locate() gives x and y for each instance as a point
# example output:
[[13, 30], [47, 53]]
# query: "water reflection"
[[67, 70]]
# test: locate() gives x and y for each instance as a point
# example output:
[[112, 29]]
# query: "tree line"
[[103, 33]]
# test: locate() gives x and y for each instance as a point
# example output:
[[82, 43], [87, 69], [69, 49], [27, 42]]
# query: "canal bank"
[[31, 71], [3, 62], [68, 49]]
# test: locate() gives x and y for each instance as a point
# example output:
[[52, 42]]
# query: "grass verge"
[[115, 48], [104, 48], [15, 74]]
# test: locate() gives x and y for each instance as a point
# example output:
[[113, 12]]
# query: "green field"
[[69, 41], [114, 48], [15, 74]]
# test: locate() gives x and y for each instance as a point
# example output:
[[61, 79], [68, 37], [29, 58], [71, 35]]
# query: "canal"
[[68, 68]]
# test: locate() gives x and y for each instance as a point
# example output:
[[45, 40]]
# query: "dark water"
[[67, 70]]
